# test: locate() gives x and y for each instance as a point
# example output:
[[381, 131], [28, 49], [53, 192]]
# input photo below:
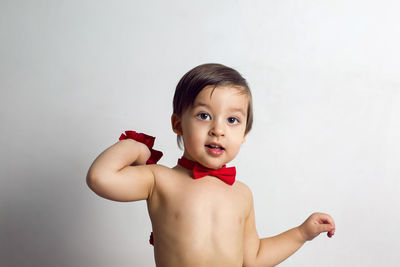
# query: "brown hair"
[[204, 75]]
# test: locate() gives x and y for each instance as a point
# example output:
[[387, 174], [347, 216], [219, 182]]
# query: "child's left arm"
[[273, 250]]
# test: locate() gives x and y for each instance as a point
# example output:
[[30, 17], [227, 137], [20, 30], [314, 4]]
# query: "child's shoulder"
[[244, 189], [164, 172], [246, 196], [160, 170]]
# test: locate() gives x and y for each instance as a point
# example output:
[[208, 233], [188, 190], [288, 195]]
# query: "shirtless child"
[[208, 221]]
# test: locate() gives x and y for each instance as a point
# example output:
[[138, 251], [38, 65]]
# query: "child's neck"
[[226, 175]]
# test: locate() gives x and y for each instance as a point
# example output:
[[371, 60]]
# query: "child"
[[207, 221]]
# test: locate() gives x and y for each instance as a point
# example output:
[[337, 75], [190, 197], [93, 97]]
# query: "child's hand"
[[316, 224], [144, 154]]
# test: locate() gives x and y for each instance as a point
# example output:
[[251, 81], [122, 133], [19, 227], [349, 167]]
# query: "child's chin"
[[215, 164]]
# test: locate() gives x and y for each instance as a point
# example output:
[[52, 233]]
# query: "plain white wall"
[[326, 87]]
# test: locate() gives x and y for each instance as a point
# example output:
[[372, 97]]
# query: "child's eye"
[[233, 120], [203, 116]]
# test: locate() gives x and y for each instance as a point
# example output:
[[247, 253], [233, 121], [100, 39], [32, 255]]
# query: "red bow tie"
[[225, 174]]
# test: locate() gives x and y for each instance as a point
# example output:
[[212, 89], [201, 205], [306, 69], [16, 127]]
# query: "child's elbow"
[[93, 180], [100, 183]]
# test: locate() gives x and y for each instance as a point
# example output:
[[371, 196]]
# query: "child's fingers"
[[144, 154], [331, 233], [326, 219], [327, 224], [318, 223], [325, 228]]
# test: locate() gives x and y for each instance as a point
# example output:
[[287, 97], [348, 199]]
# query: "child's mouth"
[[216, 147], [215, 150]]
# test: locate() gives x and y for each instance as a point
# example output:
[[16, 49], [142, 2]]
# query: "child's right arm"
[[112, 175]]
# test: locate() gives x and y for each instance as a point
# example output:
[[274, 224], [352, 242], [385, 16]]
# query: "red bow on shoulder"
[[147, 140]]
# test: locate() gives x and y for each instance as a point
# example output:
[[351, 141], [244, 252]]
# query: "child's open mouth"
[[215, 149]]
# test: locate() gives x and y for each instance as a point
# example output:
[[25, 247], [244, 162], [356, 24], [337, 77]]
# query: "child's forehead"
[[222, 96], [224, 90]]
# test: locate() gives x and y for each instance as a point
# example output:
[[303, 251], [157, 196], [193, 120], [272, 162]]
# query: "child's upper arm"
[[131, 183]]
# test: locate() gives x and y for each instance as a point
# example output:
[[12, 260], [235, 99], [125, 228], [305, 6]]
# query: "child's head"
[[215, 75]]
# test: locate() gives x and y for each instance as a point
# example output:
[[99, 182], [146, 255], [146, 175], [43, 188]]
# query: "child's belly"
[[200, 226]]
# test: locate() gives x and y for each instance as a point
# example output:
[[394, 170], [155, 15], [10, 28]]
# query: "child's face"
[[213, 129]]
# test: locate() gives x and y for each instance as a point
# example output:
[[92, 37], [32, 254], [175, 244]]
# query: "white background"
[[326, 87]]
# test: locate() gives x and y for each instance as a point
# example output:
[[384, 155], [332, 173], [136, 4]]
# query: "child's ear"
[[176, 123], [244, 138]]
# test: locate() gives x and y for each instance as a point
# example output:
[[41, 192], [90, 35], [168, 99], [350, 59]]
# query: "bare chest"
[[204, 218], [208, 200]]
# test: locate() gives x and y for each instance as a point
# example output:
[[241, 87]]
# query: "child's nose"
[[217, 129]]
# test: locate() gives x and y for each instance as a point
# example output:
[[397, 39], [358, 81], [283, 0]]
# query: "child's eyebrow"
[[233, 109], [200, 104], [240, 110]]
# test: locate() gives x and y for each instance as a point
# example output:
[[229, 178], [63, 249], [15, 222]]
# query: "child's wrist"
[[302, 236], [147, 141]]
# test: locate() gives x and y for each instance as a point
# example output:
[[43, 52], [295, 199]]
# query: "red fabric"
[[147, 140], [225, 174]]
